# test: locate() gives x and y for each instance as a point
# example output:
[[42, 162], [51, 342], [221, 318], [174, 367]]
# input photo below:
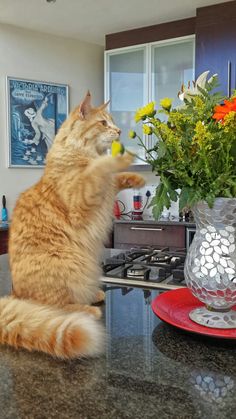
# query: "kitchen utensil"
[[4, 213]]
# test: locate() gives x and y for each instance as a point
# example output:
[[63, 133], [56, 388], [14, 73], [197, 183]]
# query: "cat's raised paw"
[[129, 180], [135, 181], [124, 160]]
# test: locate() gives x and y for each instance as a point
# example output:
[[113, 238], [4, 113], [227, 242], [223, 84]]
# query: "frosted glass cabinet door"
[[126, 87], [172, 66]]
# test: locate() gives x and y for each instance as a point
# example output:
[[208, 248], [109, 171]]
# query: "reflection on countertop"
[[149, 370]]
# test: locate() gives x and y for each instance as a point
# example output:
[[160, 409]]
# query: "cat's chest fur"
[[96, 218]]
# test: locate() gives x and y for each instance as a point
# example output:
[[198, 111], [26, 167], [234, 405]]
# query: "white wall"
[[33, 55]]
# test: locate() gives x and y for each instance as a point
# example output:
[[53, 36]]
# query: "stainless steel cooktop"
[[151, 267]]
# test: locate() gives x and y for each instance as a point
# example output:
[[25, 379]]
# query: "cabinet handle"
[[229, 79], [146, 229]]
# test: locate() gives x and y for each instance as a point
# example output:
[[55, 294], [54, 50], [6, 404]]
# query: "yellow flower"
[[117, 148], [143, 113], [147, 129], [230, 121], [132, 134], [202, 136], [166, 103]]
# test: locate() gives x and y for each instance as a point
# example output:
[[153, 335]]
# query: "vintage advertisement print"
[[36, 111]]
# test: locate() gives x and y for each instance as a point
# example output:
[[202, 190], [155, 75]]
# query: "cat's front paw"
[[129, 180], [125, 160], [135, 181]]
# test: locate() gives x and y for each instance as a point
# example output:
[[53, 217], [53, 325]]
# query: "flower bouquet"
[[194, 147], [194, 153]]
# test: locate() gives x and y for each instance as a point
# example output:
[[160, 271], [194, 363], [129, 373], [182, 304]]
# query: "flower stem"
[[135, 155], [145, 148]]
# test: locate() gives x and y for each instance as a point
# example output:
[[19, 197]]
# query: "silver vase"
[[210, 266]]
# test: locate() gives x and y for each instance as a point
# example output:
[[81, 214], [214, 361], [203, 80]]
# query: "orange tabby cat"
[[57, 234]]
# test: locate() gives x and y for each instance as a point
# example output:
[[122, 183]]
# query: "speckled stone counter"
[[149, 370]]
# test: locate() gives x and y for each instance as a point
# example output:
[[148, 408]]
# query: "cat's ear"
[[104, 105], [85, 106]]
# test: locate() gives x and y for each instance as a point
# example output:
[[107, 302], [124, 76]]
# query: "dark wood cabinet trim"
[[216, 14], [206, 16], [152, 33]]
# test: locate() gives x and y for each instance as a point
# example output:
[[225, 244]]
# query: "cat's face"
[[92, 128], [100, 130]]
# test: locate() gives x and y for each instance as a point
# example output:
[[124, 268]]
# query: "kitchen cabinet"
[[215, 43], [132, 234], [139, 74], [3, 241], [172, 64], [126, 86]]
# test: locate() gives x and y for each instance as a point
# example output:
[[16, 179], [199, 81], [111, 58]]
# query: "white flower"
[[200, 82]]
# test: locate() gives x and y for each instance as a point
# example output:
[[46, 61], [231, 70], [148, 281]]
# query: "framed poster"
[[36, 110]]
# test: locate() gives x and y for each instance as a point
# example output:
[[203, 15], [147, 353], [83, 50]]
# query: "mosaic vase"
[[210, 266]]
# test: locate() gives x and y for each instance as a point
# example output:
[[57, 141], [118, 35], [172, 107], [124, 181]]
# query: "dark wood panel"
[[152, 33], [216, 14], [133, 234], [3, 241], [215, 42]]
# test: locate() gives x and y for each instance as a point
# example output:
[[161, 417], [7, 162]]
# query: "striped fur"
[[58, 230], [50, 330]]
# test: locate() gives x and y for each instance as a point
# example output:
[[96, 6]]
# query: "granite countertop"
[[149, 370], [175, 221]]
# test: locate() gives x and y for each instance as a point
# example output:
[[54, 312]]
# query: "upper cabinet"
[[137, 75], [126, 86], [172, 64], [146, 64], [215, 43]]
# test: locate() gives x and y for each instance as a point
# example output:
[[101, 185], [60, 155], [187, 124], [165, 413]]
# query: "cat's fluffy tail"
[[43, 328]]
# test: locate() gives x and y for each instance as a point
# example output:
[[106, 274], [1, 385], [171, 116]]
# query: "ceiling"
[[91, 20]]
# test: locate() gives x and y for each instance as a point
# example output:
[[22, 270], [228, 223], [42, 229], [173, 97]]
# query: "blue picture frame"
[[36, 110]]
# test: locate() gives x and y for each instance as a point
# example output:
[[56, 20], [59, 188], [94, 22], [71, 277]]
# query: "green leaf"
[[186, 197], [233, 150], [210, 198], [160, 200], [202, 91], [156, 211], [152, 203], [161, 149], [173, 195]]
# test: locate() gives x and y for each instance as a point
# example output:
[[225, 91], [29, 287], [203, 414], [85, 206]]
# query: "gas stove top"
[[151, 267]]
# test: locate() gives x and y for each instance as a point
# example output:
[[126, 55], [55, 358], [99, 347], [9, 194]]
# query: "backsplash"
[[152, 181]]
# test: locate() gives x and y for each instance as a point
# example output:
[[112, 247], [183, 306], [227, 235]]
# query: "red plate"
[[174, 306]]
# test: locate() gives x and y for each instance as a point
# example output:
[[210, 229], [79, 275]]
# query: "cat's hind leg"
[[100, 297]]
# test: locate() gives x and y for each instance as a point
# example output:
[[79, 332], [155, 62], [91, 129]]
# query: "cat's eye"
[[104, 123]]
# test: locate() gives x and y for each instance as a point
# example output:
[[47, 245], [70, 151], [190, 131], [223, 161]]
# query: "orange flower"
[[222, 110]]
